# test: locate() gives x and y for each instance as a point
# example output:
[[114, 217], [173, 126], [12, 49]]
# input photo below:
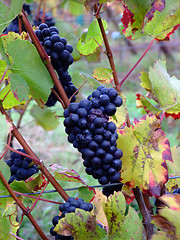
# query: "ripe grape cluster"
[[89, 130], [13, 26], [70, 206], [21, 167], [60, 52]]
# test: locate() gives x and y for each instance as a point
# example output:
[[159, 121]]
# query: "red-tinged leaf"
[[128, 194], [145, 151], [126, 20], [36, 183], [103, 75], [65, 174], [167, 38], [157, 5]]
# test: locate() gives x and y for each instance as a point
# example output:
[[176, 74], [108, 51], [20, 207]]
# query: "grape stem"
[[4, 74], [23, 208], [45, 58], [108, 49], [40, 199], [135, 65], [144, 211], [29, 151]]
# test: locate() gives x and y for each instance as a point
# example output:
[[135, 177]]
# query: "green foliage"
[[86, 193], [44, 117], [5, 128], [165, 91], [8, 11], [92, 39], [6, 228], [28, 74]]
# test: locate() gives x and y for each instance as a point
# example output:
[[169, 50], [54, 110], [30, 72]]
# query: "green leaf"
[[122, 226], [103, 75], [3, 66], [6, 173], [144, 161], [86, 193], [20, 186], [8, 11], [142, 102], [162, 88], [9, 100], [5, 128], [92, 81], [44, 117], [160, 235], [6, 228], [81, 225], [74, 7], [28, 73], [92, 39]]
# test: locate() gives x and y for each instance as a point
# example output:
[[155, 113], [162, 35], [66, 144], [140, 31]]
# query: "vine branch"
[[23, 208], [127, 75], [108, 49], [45, 58]]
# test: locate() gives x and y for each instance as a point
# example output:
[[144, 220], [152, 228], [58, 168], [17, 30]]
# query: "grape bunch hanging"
[[60, 52], [70, 206], [89, 130], [21, 167]]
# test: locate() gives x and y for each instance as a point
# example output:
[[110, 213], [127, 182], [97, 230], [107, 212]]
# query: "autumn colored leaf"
[[36, 182], [122, 225], [145, 151], [128, 193], [98, 210], [174, 170], [81, 225], [163, 89], [103, 75], [158, 18], [65, 174], [168, 219]]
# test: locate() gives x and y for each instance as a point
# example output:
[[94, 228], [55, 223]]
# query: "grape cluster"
[[60, 52], [176, 191], [68, 207], [13, 26], [89, 130], [21, 167], [48, 19]]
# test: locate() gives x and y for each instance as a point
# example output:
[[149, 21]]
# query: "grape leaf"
[[128, 194], [142, 102], [3, 66], [36, 182], [5, 128], [160, 235], [174, 169], [168, 219], [28, 73], [98, 210], [158, 19], [9, 101], [81, 225], [44, 117], [75, 8], [6, 228], [86, 193], [8, 11], [92, 81], [6, 173], [122, 226], [162, 88], [65, 174], [144, 161], [92, 39], [103, 75]]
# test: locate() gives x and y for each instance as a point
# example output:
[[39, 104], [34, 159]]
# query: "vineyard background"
[[52, 146]]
